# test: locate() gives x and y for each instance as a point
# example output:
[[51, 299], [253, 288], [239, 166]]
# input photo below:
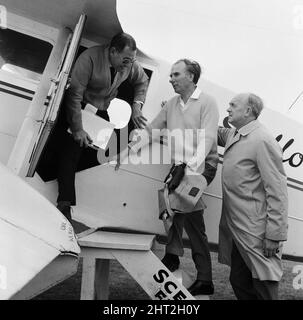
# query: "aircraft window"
[[22, 54]]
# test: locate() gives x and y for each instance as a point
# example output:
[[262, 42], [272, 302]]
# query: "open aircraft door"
[[56, 93]]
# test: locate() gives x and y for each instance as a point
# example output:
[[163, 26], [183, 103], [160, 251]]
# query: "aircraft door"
[[56, 94]]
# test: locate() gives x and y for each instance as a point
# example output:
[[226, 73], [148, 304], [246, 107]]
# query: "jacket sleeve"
[[270, 165], [74, 95], [139, 80], [207, 136], [222, 136]]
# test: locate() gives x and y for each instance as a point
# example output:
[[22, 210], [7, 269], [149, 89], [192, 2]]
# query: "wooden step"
[[116, 240], [133, 251]]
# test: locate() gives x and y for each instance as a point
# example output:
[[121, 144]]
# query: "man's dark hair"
[[122, 40], [192, 67]]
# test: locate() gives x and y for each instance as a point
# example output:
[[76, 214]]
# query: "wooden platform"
[[116, 240], [133, 251]]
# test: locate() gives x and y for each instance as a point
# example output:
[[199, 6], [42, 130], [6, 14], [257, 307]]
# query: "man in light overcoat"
[[253, 224]]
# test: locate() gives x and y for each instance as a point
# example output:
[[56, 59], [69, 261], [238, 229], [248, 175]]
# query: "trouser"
[[195, 228], [244, 285], [69, 156]]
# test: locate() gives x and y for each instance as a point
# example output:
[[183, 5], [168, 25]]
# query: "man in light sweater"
[[196, 111]]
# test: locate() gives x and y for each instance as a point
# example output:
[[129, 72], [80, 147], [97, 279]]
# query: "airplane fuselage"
[[128, 198]]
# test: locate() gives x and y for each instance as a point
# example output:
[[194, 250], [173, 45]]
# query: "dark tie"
[[236, 133], [112, 74]]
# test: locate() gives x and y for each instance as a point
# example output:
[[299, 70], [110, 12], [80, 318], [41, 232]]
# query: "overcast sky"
[[243, 45]]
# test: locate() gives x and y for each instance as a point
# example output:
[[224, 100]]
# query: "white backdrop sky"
[[243, 45]]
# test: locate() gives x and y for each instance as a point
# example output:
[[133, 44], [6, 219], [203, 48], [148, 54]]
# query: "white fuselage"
[[127, 198]]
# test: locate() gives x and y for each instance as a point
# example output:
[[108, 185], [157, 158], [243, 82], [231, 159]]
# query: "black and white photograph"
[[151, 150]]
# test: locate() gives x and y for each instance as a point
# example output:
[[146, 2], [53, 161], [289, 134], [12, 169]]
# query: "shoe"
[[66, 211], [171, 262], [200, 287]]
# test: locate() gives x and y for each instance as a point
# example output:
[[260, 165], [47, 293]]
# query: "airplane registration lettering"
[[161, 273], [71, 233], [63, 226], [168, 288]]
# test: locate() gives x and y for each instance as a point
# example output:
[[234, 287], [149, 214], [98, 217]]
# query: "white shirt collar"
[[195, 95]]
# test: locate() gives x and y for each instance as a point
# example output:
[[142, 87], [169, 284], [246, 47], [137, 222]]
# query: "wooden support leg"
[[88, 278], [101, 279]]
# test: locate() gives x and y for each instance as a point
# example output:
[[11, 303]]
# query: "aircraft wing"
[[38, 247]]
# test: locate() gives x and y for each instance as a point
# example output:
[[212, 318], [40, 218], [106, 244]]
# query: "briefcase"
[[184, 199]]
